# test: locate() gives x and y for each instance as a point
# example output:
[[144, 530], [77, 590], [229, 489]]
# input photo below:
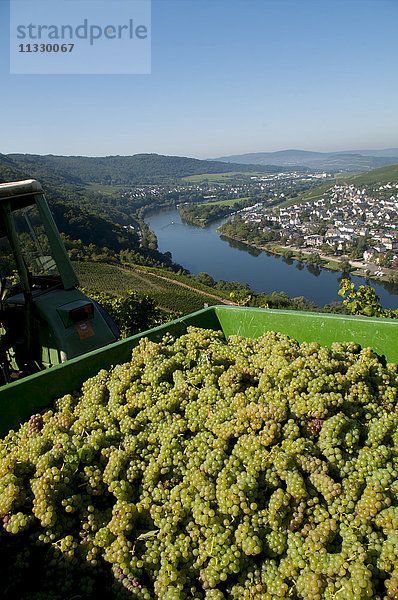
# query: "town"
[[358, 222]]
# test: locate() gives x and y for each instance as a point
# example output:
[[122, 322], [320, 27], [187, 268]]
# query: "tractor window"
[[34, 242], [8, 267]]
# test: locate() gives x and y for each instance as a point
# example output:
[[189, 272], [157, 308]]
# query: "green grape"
[[209, 469]]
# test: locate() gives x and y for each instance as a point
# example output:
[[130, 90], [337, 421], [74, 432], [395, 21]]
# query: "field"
[[230, 202], [168, 294]]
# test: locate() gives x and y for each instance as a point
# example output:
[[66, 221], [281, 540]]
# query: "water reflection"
[[287, 261], [314, 270], [241, 246], [172, 224], [390, 286]]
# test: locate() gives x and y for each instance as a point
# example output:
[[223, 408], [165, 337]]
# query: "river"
[[200, 250]]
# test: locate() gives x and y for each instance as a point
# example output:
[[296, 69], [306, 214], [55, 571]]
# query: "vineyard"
[[171, 296]]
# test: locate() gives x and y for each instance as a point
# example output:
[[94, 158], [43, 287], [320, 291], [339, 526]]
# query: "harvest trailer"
[[119, 474], [18, 400]]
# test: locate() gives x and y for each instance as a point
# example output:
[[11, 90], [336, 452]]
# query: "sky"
[[227, 77]]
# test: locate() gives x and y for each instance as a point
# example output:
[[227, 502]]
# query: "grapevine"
[[209, 469]]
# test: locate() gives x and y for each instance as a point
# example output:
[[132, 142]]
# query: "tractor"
[[44, 318]]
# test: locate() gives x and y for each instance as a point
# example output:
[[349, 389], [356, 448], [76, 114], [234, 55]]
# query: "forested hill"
[[90, 237], [60, 186], [121, 170], [90, 222], [79, 224], [16, 166]]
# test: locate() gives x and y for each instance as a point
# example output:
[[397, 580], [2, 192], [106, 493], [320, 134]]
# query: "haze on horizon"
[[227, 78]]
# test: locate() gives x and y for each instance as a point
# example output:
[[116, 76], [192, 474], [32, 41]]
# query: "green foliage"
[[345, 265], [314, 259], [203, 214], [359, 245], [220, 289], [148, 237], [181, 299], [249, 232], [132, 313], [382, 175], [205, 279], [80, 224], [123, 170], [232, 286], [363, 301]]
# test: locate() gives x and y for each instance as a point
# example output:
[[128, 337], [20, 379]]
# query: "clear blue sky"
[[228, 76]]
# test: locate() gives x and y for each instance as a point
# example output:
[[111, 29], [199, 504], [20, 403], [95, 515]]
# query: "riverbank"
[[203, 250], [358, 268]]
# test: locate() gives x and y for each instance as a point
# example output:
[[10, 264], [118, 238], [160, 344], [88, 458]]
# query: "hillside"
[[102, 185], [122, 170], [92, 224], [382, 176], [388, 174], [80, 224], [88, 236], [97, 184], [351, 160], [170, 291], [60, 186]]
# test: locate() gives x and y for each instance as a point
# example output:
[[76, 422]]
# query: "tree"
[[321, 229], [311, 258], [317, 260], [383, 261], [345, 265], [132, 313], [326, 249], [206, 279]]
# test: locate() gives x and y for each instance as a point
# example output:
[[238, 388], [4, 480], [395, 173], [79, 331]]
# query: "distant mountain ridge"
[[347, 160], [123, 170]]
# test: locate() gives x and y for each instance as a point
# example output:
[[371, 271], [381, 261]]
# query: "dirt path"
[[222, 300], [142, 278]]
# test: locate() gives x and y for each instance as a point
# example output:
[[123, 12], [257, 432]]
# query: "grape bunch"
[[247, 469]]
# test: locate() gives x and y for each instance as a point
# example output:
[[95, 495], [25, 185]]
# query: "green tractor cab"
[[45, 319]]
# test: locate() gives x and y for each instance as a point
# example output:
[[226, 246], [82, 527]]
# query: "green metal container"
[[20, 399]]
